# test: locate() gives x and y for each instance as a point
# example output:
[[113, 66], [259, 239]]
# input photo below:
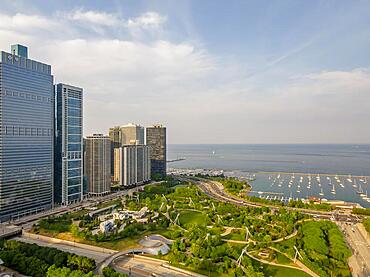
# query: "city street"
[[141, 267], [97, 256], [360, 261]]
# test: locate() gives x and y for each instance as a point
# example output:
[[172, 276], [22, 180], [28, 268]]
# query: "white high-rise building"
[[132, 165]]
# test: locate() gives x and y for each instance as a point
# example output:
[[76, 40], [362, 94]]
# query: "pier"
[[176, 160]]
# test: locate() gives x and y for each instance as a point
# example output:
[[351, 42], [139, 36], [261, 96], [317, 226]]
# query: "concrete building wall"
[[98, 164], [134, 165]]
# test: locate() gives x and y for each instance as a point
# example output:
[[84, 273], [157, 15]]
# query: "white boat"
[[341, 185], [365, 197], [321, 192], [360, 191], [333, 190]]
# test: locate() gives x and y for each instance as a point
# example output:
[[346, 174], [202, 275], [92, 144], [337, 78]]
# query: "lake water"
[[296, 158]]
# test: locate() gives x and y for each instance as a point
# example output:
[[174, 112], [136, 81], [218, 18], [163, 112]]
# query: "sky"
[[211, 71]]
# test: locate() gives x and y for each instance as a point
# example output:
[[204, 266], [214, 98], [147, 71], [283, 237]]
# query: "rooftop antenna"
[[297, 254]]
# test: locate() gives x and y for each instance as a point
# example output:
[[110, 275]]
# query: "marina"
[[303, 186], [283, 186]]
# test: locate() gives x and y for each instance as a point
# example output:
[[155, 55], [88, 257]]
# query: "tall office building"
[[68, 177], [97, 164], [115, 138], [132, 134], [132, 165], [26, 134], [156, 140]]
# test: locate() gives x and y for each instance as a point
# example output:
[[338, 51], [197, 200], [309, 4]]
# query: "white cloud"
[[201, 98], [147, 20], [25, 23], [95, 17]]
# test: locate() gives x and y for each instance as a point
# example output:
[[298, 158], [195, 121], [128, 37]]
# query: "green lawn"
[[192, 217], [277, 271], [281, 259]]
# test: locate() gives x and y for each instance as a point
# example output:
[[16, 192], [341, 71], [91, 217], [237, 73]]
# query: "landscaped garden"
[[209, 236]]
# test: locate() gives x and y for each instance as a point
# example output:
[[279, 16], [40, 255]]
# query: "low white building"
[[107, 226]]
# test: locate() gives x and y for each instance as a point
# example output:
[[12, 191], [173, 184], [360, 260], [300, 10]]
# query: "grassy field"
[[192, 217], [277, 271], [281, 259], [235, 235]]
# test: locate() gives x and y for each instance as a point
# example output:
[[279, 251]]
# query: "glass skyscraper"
[[68, 184], [26, 134]]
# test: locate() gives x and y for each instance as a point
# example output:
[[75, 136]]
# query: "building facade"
[[132, 164], [26, 134], [132, 134], [97, 164], [68, 154], [115, 138], [156, 140]]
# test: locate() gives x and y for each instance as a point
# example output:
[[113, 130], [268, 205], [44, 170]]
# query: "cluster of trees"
[[89, 222], [130, 230], [323, 248], [311, 205], [110, 272], [233, 185], [57, 224], [366, 223], [206, 252], [361, 211], [34, 260]]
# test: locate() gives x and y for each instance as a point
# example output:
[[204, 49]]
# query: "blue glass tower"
[[26, 135], [68, 184]]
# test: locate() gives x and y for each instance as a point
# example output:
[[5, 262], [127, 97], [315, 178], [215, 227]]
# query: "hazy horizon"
[[213, 72]]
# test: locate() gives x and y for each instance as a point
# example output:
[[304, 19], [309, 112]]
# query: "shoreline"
[[265, 172]]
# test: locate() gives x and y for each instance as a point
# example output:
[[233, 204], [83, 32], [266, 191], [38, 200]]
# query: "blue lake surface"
[[315, 159]]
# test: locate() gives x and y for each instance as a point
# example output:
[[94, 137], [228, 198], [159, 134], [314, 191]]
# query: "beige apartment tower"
[[132, 165], [132, 134], [98, 164]]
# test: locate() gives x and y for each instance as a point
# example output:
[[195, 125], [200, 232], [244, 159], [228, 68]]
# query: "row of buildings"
[[44, 159], [127, 157]]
